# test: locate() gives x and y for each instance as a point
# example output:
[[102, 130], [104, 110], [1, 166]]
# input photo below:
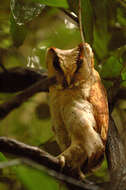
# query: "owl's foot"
[[73, 157], [80, 174], [83, 177], [61, 161]]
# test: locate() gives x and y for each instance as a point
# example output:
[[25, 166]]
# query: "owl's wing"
[[98, 99]]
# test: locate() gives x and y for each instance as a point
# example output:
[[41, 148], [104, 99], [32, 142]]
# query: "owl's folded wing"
[[98, 99]]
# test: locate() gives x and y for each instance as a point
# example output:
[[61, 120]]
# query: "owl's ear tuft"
[[79, 64], [80, 57], [81, 51]]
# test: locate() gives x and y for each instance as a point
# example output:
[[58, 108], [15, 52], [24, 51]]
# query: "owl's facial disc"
[[67, 62]]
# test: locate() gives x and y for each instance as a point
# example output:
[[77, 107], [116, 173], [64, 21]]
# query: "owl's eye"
[[79, 63], [56, 64]]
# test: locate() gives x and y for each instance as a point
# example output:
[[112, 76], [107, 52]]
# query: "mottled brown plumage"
[[78, 106]]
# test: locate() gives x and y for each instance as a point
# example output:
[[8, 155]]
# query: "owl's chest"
[[60, 99]]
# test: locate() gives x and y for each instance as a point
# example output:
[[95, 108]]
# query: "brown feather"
[[98, 98]]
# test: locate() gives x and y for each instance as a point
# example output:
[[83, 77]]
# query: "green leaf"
[[2, 157], [87, 20], [123, 84], [111, 68], [18, 32], [24, 11], [121, 16], [53, 3], [107, 84], [123, 75], [101, 172], [101, 33], [34, 179], [100, 43], [73, 6], [87, 17]]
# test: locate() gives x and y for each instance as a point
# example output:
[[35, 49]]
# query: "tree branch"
[[11, 146], [39, 156], [18, 78], [40, 86], [116, 158]]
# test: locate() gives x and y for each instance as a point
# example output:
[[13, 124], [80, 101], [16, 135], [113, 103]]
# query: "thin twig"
[[80, 21], [3, 68], [81, 28]]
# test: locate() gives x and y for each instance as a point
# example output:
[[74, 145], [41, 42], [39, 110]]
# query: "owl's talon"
[[61, 161], [83, 178], [81, 175]]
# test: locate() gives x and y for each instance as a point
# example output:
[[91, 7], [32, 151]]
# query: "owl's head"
[[70, 66]]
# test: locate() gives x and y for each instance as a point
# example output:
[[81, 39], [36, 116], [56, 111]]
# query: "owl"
[[78, 106]]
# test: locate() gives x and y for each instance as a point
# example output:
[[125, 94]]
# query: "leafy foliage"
[[55, 3], [25, 11], [87, 20], [111, 68], [19, 30]]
